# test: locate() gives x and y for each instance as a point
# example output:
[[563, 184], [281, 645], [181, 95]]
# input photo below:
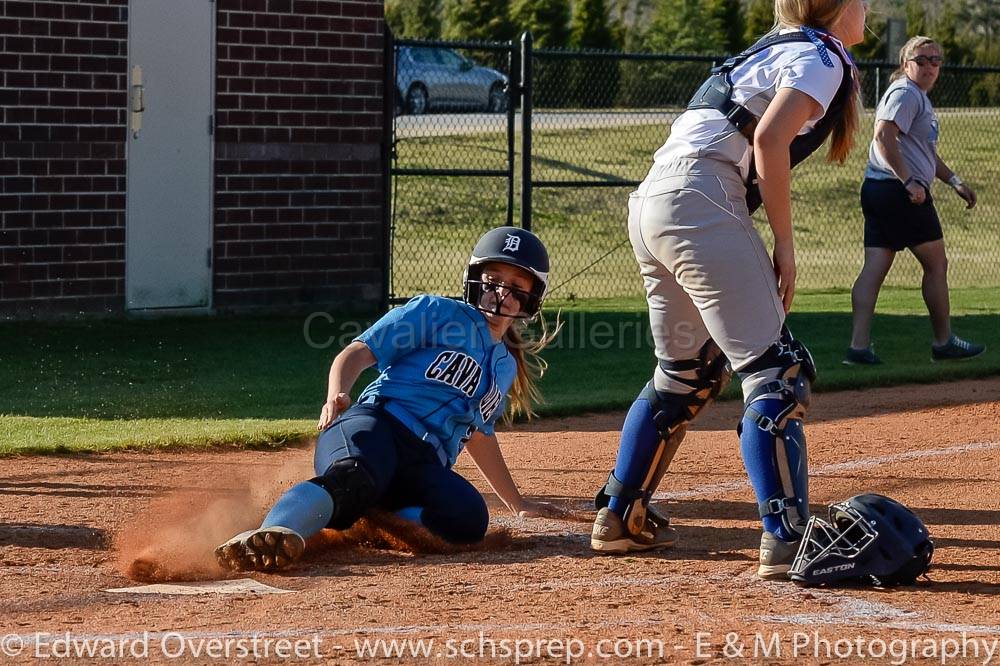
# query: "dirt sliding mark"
[[173, 538]]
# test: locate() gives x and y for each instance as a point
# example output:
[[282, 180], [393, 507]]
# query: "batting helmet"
[[869, 539], [516, 247]]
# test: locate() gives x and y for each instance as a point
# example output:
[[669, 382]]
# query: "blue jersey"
[[441, 373]]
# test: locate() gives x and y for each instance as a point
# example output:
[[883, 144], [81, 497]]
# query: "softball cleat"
[[262, 549], [776, 557], [611, 536]]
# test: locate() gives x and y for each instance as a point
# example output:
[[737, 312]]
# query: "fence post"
[[878, 85], [388, 150], [513, 94], [526, 93]]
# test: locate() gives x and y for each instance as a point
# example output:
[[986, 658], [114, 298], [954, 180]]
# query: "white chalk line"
[[833, 468], [863, 613], [852, 611]]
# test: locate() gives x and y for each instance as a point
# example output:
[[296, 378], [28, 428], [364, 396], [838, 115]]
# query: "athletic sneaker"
[[864, 356], [610, 536], [262, 549], [956, 349], [776, 557]]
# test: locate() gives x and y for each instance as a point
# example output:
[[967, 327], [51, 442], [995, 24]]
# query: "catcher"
[[717, 301]]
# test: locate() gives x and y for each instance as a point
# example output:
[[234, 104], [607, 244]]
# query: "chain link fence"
[[594, 121], [453, 157]]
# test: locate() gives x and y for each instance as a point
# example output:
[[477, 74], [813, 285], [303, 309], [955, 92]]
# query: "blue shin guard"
[[654, 427], [639, 443], [775, 460], [306, 508]]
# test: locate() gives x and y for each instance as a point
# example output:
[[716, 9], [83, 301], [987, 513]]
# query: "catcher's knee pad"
[[352, 488], [786, 369], [669, 414], [771, 434]]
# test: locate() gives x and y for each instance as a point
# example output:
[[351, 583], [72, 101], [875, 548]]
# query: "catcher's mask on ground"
[[869, 539], [515, 247]]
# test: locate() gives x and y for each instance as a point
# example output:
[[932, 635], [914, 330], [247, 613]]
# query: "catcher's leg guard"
[[777, 393], [654, 428]]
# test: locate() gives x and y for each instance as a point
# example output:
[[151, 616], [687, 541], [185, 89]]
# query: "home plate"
[[238, 586]]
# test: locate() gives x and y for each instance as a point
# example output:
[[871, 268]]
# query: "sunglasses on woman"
[[923, 60]]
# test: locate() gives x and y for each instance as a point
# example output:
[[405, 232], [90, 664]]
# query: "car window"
[[424, 56], [451, 59]]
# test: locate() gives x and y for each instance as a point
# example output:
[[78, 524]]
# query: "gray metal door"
[[168, 228]]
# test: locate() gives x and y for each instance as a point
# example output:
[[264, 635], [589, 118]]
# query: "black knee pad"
[[672, 412], [787, 354], [713, 373], [352, 488]]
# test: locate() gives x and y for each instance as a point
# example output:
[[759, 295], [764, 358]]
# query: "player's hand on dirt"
[[332, 409], [968, 194], [532, 509], [917, 193], [784, 269]]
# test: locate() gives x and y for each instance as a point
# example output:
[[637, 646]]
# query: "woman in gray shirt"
[[897, 205]]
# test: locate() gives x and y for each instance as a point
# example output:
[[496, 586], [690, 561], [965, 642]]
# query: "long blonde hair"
[[524, 393], [909, 50], [823, 14]]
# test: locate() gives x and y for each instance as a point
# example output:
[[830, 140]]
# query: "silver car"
[[438, 78]]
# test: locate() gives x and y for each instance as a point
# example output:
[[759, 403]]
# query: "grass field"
[[109, 384], [441, 217]]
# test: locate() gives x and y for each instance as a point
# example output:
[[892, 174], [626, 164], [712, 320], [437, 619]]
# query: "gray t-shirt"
[[905, 104]]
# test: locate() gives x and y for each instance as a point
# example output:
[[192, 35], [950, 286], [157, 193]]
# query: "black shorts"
[[892, 221]]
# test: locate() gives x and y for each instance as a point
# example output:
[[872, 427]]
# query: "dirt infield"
[[74, 526]]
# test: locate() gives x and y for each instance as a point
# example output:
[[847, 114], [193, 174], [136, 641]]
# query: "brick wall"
[[298, 185], [298, 165], [62, 197]]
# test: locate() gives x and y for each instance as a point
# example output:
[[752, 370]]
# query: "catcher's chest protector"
[[717, 93]]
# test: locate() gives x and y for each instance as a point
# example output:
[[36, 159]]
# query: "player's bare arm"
[[787, 113], [344, 371], [485, 452]]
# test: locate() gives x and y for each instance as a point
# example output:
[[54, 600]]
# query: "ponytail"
[[524, 393], [823, 14]]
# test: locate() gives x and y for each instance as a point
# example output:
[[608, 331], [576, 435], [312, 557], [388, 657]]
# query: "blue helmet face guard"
[[486, 296], [868, 539]]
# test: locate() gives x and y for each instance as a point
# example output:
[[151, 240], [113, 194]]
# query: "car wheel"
[[497, 102], [417, 102]]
